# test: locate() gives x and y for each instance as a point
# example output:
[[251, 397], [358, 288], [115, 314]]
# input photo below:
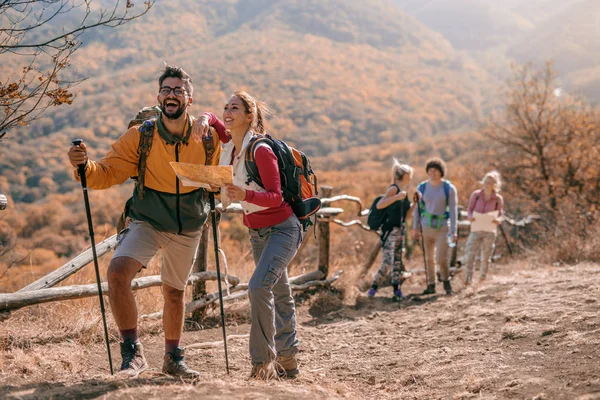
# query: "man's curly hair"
[[438, 164]]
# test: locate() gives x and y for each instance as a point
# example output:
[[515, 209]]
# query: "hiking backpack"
[[298, 180], [146, 118], [379, 219]]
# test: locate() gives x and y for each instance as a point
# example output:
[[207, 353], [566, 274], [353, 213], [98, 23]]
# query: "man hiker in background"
[[165, 215], [436, 212]]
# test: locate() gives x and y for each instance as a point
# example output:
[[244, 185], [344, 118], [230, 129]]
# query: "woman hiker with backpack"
[[398, 206], [275, 236], [483, 201], [436, 213]]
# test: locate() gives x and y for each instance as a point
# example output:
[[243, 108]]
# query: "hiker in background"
[[398, 206], [166, 216], [275, 236], [435, 217], [483, 201]]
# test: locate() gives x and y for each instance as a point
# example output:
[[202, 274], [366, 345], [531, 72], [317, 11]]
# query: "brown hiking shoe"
[[430, 289], [134, 362], [175, 366], [266, 371], [289, 364]]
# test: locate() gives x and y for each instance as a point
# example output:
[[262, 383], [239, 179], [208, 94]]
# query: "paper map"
[[484, 222], [203, 175]]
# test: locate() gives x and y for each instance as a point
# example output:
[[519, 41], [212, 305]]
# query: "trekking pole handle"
[[80, 167]]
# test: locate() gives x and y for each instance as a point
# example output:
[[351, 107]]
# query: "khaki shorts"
[[141, 241]]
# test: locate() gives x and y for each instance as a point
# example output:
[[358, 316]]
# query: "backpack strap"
[[251, 167], [209, 146], [146, 135], [447, 192]]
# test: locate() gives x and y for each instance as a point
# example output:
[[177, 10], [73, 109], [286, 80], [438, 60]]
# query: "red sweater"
[[279, 210], [266, 162]]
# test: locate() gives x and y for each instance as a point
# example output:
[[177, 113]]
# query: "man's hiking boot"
[[447, 287], [398, 296], [175, 366], [430, 289], [289, 364], [371, 292], [267, 371], [134, 362]]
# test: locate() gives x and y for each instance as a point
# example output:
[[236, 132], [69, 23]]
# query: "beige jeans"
[[436, 242], [479, 244]]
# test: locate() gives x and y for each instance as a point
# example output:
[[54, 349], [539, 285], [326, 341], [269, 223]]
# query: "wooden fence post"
[[199, 289], [326, 192]]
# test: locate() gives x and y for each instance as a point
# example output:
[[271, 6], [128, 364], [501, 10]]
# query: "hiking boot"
[[289, 365], [134, 362], [468, 282], [430, 289], [371, 292], [266, 371], [175, 366], [447, 287], [398, 296]]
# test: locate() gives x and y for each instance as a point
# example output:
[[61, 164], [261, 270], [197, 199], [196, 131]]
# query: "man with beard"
[[166, 217]]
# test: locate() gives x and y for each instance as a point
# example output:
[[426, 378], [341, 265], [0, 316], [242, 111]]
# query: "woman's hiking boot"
[[134, 362], [398, 296], [289, 364], [430, 289], [174, 365], [372, 291], [448, 287], [266, 371]]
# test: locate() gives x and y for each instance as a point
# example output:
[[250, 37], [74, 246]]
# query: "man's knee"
[[121, 271], [172, 295]]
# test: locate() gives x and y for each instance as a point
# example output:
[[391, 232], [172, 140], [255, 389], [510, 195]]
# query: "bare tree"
[[548, 141], [42, 52]]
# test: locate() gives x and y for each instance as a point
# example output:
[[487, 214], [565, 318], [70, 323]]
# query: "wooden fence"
[[43, 290]]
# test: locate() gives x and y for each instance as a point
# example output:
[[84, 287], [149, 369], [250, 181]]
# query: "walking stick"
[[505, 239], [213, 213], [422, 240], [81, 169]]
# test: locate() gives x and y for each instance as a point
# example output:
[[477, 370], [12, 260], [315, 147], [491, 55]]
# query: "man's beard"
[[174, 115]]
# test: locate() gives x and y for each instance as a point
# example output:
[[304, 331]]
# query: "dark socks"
[[396, 287], [171, 345], [130, 334]]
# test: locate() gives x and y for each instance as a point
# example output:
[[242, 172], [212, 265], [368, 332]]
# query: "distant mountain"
[[338, 74], [571, 39], [469, 24]]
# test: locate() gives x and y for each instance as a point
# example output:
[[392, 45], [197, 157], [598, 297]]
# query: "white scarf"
[[240, 176]]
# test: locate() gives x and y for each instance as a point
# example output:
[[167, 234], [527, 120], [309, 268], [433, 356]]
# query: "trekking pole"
[[505, 239], [213, 213], [422, 240], [81, 169]]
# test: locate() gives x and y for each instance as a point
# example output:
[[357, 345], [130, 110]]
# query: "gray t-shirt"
[[435, 203]]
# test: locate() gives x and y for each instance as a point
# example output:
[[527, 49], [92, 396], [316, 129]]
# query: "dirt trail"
[[529, 332]]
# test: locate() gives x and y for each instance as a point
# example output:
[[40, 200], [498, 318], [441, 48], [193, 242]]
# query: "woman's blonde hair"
[[399, 170], [495, 175]]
